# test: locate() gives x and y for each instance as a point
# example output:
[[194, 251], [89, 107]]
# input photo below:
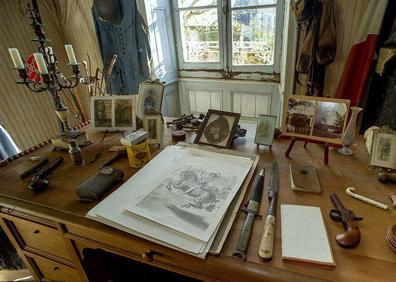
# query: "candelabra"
[[52, 80]]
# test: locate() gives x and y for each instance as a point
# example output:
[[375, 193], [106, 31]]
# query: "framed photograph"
[[150, 98], [265, 130], [218, 129], [383, 150], [315, 118], [153, 125], [113, 113]]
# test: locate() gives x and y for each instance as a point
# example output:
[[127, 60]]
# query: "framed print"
[[150, 98], [315, 118], [383, 150], [113, 113], [218, 129], [265, 130], [153, 125]]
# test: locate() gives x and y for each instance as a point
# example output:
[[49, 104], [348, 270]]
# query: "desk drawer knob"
[[36, 231], [56, 268]]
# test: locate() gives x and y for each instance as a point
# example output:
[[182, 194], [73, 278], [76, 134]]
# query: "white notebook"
[[304, 236]]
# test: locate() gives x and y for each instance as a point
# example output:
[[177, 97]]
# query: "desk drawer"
[[37, 237], [53, 271]]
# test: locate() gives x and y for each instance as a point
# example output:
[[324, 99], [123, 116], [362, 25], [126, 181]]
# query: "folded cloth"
[[94, 187]]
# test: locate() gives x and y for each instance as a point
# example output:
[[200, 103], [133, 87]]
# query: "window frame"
[[224, 12], [198, 65]]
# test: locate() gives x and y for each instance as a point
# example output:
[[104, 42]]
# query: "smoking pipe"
[[38, 181], [351, 237]]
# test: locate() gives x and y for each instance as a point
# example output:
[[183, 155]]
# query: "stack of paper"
[[178, 199]]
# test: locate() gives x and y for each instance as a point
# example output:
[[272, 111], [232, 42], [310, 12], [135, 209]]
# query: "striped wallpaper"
[[29, 117]]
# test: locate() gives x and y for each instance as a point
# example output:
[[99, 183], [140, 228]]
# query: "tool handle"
[[266, 249], [34, 168], [111, 66], [47, 171], [245, 236]]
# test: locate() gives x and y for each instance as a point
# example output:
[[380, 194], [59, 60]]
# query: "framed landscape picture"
[[383, 150], [113, 113], [265, 130], [218, 129], [315, 118]]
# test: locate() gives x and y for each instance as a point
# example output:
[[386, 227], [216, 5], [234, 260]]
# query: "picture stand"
[[325, 144], [111, 131]]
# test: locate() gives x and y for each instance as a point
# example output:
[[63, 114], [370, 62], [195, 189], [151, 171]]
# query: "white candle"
[[50, 54], [16, 58], [70, 54], [40, 63]]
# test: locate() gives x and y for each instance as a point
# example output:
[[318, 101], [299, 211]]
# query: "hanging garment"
[[129, 41], [357, 68], [315, 19]]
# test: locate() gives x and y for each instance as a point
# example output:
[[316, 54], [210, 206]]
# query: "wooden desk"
[[50, 230]]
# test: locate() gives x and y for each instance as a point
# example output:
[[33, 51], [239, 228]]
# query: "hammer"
[[38, 181]]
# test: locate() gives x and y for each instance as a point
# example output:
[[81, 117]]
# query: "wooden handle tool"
[[266, 249], [267, 240]]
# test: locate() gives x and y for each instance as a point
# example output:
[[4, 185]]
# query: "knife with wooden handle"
[[266, 248]]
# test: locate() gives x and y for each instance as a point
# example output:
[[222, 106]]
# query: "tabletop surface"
[[371, 260]]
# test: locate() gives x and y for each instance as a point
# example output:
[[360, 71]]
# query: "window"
[[229, 35]]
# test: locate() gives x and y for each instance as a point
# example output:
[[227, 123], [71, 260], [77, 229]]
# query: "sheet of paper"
[[304, 236], [193, 193]]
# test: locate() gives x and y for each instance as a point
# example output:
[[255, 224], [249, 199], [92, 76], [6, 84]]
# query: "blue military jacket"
[[129, 41]]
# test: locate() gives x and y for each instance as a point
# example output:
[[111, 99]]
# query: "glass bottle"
[[76, 153]]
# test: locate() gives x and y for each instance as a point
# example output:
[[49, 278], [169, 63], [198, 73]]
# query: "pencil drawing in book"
[[191, 196]]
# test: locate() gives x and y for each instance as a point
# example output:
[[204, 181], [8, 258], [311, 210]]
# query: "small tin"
[[178, 135], [137, 148]]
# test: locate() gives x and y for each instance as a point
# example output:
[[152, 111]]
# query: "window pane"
[[247, 3], [196, 3], [253, 36], [200, 35]]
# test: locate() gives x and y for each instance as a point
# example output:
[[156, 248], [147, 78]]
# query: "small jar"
[[76, 154]]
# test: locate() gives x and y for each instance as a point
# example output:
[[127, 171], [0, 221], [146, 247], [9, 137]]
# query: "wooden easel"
[[326, 147]]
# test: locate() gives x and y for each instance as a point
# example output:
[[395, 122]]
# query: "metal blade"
[[273, 181]]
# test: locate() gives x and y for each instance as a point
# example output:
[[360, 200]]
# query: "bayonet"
[[267, 240], [252, 209]]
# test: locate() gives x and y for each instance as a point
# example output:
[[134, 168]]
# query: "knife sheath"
[[243, 241]]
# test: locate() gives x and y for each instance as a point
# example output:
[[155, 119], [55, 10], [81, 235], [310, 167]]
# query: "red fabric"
[[32, 69], [356, 71]]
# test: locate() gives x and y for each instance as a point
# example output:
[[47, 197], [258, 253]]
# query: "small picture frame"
[[150, 98], [113, 113], [265, 130], [383, 150], [218, 129], [153, 125]]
